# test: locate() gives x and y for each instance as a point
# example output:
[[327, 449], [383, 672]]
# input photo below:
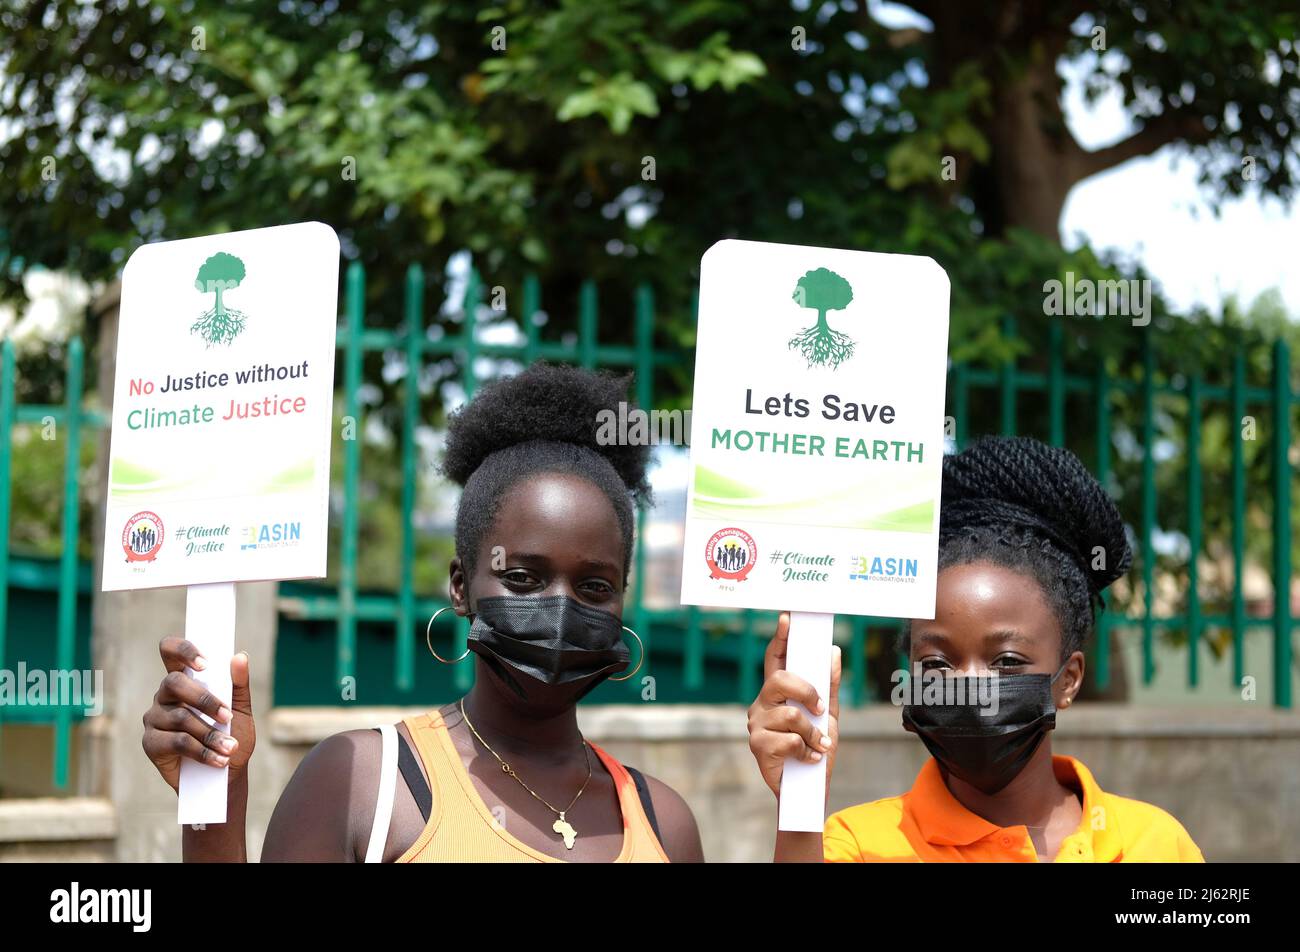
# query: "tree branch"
[[900, 38], [1170, 126]]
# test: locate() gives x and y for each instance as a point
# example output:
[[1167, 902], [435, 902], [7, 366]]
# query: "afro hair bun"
[[1022, 483], [546, 402]]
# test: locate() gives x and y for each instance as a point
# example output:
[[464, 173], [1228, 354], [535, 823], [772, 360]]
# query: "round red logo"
[[730, 553], [142, 537]]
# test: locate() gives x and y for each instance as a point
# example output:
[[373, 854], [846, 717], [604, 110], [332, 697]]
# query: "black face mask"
[[555, 640], [987, 750]]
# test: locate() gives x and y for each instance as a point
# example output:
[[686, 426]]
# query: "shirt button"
[[1006, 840]]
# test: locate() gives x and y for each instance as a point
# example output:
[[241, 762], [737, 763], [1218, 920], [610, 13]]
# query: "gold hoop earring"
[[640, 661], [428, 629]]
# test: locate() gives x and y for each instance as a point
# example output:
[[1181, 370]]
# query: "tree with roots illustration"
[[221, 324], [821, 345]]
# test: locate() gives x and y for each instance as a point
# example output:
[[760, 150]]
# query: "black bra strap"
[[643, 791], [415, 781]]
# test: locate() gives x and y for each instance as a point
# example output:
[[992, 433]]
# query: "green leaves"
[[618, 99], [714, 62], [949, 122]]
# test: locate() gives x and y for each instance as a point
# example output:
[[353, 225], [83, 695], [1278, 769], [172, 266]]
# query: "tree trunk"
[[1030, 167], [1034, 159]]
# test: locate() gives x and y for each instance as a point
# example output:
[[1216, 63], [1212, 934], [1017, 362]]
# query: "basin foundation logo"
[[219, 324], [821, 345], [730, 554], [142, 537], [271, 535], [873, 568]]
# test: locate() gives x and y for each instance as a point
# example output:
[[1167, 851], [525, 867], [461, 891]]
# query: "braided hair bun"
[[1036, 509], [1020, 482]]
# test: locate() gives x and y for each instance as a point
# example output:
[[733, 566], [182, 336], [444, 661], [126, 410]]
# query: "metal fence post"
[[1193, 528], [1148, 506], [1238, 397], [1281, 525], [68, 558], [7, 371], [404, 669], [347, 631]]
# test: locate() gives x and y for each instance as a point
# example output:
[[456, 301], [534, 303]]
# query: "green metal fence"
[[1239, 397], [685, 642], [682, 641], [71, 421]]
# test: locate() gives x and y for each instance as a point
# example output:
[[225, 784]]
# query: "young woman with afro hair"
[[544, 532], [1028, 540]]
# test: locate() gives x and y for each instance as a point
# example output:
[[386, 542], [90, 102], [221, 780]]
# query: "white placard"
[[222, 409], [222, 417], [817, 438], [816, 431]]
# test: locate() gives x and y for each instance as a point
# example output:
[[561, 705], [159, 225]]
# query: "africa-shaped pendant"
[[566, 830]]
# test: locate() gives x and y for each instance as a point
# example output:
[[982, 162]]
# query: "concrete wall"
[[1231, 775]]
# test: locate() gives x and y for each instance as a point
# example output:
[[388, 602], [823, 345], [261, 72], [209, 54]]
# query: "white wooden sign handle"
[[210, 626], [803, 786]]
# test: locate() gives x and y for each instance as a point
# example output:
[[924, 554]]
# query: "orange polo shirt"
[[928, 825]]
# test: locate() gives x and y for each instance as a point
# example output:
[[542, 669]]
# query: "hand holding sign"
[[815, 464], [173, 732], [219, 464], [780, 732]]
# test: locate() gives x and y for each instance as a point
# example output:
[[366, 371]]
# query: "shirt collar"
[[1099, 825], [943, 821]]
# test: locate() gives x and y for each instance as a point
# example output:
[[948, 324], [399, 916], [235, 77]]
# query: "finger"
[[790, 720], [158, 744], [178, 717], [178, 654], [783, 746], [783, 686], [179, 688], [241, 699], [837, 666], [774, 657]]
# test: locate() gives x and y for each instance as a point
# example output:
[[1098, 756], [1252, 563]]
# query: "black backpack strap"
[[643, 791], [415, 781]]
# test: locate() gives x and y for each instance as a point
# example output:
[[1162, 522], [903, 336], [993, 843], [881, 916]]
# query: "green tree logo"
[[220, 324], [821, 345]]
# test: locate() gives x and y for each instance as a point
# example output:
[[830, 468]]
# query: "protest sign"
[[817, 436], [222, 409]]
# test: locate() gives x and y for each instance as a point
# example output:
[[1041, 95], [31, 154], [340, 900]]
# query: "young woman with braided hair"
[[1028, 540]]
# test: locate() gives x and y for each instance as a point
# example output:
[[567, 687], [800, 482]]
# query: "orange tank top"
[[462, 829]]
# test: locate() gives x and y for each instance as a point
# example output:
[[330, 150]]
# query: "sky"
[[1151, 209]]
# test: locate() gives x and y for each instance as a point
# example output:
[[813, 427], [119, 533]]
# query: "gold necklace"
[[562, 825]]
